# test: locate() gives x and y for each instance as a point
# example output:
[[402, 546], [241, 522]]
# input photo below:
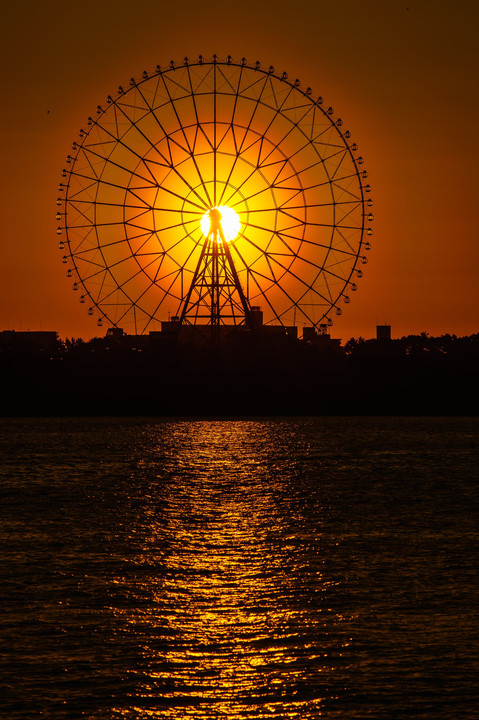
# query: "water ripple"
[[239, 569]]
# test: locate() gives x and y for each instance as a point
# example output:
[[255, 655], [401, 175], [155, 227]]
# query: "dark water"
[[310, 568]]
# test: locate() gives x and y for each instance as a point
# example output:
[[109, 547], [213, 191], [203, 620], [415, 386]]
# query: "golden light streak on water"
[[230, 634], [292, 568]]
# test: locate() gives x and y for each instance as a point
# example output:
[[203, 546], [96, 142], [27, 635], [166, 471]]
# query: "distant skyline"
[[402, 75]]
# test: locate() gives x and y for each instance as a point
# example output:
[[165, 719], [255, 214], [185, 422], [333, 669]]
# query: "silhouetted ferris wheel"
[[207, 190]]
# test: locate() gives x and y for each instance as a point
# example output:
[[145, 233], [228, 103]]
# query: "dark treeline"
[[251, 374]]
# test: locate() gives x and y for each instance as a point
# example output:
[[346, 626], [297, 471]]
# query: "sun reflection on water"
[[232, 620], [290, 568]]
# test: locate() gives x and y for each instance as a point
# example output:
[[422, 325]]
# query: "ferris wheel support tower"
[[215, 294]]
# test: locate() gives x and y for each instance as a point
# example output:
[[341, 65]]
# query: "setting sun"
[[221, 218]]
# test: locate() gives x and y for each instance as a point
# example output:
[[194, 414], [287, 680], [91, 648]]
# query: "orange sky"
[[402, 75]]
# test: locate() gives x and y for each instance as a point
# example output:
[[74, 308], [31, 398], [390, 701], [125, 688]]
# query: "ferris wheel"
[[209, 190]]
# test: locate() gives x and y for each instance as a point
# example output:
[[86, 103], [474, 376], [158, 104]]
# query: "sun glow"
[[221, 219]]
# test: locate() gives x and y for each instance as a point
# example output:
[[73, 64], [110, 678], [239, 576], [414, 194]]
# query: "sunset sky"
[[402, 75]]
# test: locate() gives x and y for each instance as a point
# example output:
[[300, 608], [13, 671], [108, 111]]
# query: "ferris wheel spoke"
[[318, 162], [121, 285], [248, 128], [134, 123], [287, 270], [175, 278], [172, 166], [266, 299], [123, 261], [345, 189], [263, 251], [200, 207], [266, 257], [302, 190], [174, 210], [348, 253], [334, 174], [96, 269], [332, 225], [231, 123], [110, 245], [298, 223], [341, 158], [289, 216], [283, 139], [348, 214], [330, 293], [273, 185], [93, 285], [138, 217], [128, 306], [225, 79], [154, 236], [78, 194], [282, 289], [97, 224], [82, 214], [108, 205], [256, 276], [215, 148], [146, 290], [307, 288], [157, 254], [188, 148], [261, 138], [113, 164], [337, 203], [109, 184], [159, 265], [248, 198], [130, 151], [346, 240], [145, 238], [281, 235], [202, 135], [167, 252], [166, 134], [222, 145], [161, 229], [257, 81], [322, 268], [248, 178], [278, 109], [184, 223], [168, 163], [86, 154], [193, 99], [179, 241], [104, 246], [144, 209], [242, 154]]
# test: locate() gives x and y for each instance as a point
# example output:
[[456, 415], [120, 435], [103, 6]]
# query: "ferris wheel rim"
[[100, 304]]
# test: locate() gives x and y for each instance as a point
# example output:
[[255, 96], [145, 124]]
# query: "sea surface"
[[263, 568]]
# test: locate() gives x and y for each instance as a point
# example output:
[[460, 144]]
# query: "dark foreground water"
[[309, 568]]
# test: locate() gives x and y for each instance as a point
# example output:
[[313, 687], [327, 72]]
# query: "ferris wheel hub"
[[221, 223]]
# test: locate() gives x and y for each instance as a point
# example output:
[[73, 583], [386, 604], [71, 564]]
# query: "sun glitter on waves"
[[222, 216]]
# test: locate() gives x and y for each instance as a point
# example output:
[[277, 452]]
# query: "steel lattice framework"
[[184, 140]]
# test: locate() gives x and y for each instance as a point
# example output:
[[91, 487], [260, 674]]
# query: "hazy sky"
[[402, 75]]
